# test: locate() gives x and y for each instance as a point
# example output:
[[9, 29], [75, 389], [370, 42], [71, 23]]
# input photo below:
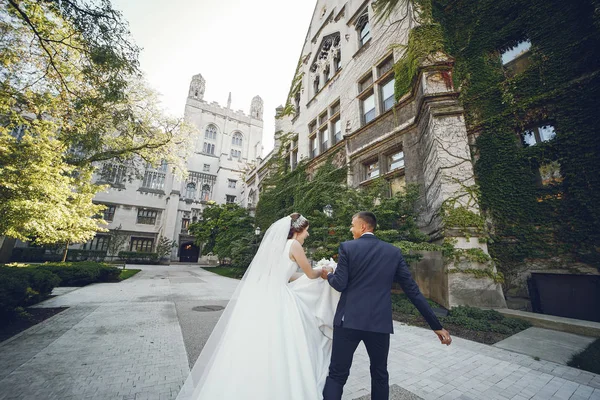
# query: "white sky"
[[246, 47]]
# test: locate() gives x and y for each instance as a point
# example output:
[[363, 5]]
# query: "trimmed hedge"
[[20, 287], [82, 273], [134, 257]]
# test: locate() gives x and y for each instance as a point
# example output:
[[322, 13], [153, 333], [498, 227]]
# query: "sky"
[[246, 47]]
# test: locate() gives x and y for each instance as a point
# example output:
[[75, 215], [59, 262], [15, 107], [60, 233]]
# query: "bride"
[[273, 341]]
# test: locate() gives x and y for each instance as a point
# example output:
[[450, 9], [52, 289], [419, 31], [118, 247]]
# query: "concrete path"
[[117, 340], [546, 344], [136, 340]]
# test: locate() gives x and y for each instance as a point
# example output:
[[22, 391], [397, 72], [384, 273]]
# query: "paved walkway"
[[136, 340]]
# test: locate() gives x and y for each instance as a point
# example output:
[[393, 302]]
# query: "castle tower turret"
[[256, 108], [197, 87]]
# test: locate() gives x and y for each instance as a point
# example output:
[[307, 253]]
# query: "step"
[[576, 326]]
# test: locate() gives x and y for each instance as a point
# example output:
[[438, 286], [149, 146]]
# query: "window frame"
[[149, 215]]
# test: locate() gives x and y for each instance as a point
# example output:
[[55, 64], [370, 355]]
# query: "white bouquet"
[[326, 263]]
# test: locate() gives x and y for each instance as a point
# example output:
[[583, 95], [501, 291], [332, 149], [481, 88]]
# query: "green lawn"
[[588, 359], [230, 272], [128, 273]]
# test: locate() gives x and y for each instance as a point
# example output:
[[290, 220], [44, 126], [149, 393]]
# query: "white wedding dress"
[[273, 341]]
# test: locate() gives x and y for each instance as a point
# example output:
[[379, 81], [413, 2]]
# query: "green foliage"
[[71, 97], [560, 86], [229, 272], [20, 287], [226, 230], [127, 273], [423, 41], [138, 257], [308, 192], [471, 318], [164, 247], [81, 273]]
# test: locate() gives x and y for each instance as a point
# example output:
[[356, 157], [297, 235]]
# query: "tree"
[[226, 230], [116, 240], [70, 86], [164, 247]]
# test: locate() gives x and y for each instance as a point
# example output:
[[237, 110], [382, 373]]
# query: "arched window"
[[205, 193], [364, 29], [190, 190], [237, 139], [211, 132]]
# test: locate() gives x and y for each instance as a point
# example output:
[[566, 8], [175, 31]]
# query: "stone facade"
[[160, 204], [344, 107]]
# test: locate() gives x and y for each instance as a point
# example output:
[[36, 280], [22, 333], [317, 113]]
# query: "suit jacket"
[[366, 269]]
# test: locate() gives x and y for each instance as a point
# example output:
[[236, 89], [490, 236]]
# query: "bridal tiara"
[[297, 224]]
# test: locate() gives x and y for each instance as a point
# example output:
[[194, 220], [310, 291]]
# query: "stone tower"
[[197, 87], [256, 108]]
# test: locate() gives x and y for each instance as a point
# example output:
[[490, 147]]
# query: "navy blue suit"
[[366, 269]]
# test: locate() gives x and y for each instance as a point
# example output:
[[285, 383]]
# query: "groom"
[[365, 272]]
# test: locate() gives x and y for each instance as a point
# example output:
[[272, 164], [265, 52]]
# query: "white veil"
[[268, 257]]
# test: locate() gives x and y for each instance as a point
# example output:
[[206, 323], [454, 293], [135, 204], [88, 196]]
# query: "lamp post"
[[257, 231], [328, 210]]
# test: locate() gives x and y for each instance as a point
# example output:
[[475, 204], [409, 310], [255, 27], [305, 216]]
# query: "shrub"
[[134, 257], [86, 255], [81, 273], [20, 287], [74, 274]]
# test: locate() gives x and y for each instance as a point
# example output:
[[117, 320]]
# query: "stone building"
[[342, 102], [160, 204]]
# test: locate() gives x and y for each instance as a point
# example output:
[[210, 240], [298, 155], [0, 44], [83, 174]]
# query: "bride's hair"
[[299, 223]]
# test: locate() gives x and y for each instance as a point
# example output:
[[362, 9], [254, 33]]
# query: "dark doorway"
[[189, 252], [571, 296]]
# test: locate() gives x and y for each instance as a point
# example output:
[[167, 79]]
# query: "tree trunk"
[[65, 252]]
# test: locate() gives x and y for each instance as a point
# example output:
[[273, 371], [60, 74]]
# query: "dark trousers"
[[345, 342]]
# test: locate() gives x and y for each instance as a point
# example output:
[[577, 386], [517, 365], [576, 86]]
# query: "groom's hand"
[[325, 271], [444, 336]]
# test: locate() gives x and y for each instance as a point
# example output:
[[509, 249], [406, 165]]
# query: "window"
[[237, 139], [514, 52], [208, 148], [294, 159], [236, 153], [205, 193], [147, 217], [113, 173], [538, 134], [154, 180], [211, 132], [190, 190], [314, 151], [364, 29], [185, 224], [372, 170], [231, 183], [385, 67], [251, 197], [324, 139], [142, 245], [335, 108], [109, 213], [206, 168], [337, 130], [365, 83], [18, 132], [323, 118], [312, 126], [229, 199], [368, 108], [100, 242], [395, 161], [387, 95]]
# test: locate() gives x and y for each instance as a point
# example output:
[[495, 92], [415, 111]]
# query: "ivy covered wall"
[[557, 84]]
